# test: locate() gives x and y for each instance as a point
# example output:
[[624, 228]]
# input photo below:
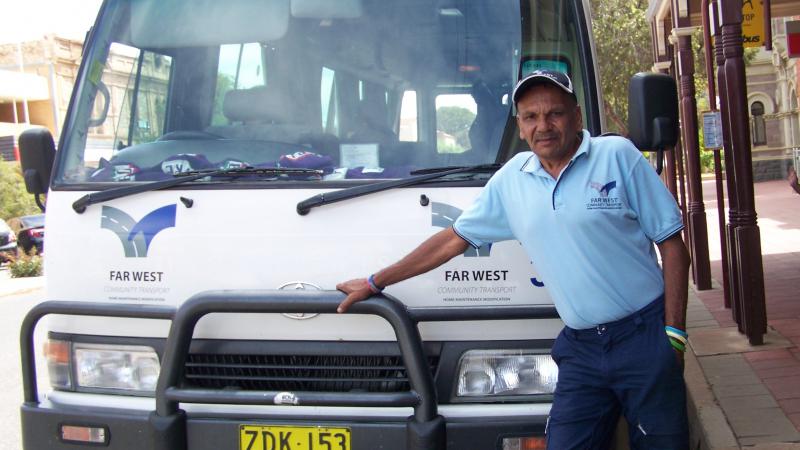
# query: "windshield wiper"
[[478, 168], [427, 174], [90, 199]]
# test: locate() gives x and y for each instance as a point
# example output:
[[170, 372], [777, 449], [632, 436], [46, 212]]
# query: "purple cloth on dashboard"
[[185, 162], [175, 164], [306, 160], [119, 171], [231, 163]]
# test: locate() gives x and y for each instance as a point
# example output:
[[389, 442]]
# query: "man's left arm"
[[660, 219], [675, 265]]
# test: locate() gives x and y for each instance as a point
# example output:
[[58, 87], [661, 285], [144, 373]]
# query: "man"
[[587, 210]]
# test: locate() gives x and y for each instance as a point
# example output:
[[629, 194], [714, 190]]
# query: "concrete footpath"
[[10, 286], [741, 396]]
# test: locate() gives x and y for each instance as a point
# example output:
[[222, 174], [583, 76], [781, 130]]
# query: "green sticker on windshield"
[[95, 72]]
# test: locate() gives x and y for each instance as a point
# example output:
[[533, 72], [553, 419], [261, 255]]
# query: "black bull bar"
[[425, 428]]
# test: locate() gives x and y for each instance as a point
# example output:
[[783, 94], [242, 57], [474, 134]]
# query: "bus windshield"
[[359, 89]]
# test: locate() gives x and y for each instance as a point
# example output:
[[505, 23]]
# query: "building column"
[[678, 156], [708, 57], [785, 111], [696, 214], [670, 167], [732, 287], [747, 234]]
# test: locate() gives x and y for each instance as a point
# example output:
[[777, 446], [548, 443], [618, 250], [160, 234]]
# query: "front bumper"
[[169, 428], [137, 429]]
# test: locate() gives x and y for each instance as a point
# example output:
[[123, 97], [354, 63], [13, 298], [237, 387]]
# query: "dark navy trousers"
[[625, 367]]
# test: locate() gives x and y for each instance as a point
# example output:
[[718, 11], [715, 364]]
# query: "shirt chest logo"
[[602, 196]]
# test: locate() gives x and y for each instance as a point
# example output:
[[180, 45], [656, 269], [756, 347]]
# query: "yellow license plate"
[[270, 437]]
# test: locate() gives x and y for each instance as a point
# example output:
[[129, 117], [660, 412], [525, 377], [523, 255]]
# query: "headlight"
[[494, 373], [130, 368]]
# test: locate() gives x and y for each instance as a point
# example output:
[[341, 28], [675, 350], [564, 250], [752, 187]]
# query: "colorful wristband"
[[677, 345], [676, 331], [677, 337], [373, 286]]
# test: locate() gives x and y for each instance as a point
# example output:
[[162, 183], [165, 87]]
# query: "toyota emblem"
[[303, 286]]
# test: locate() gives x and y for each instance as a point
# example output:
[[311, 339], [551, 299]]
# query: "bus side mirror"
[[37, 152], [653, 113]]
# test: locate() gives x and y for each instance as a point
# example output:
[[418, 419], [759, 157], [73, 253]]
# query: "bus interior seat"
[[260, 113], [486, 130], [372, 124]]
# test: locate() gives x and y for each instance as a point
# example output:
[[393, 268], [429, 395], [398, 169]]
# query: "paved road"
[[12, 310]]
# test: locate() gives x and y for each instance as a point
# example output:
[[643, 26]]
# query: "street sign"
[[753, 23], [793, 38], [712, 130]]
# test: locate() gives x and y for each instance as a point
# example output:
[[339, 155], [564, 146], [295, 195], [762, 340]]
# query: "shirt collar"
[[533, 165]]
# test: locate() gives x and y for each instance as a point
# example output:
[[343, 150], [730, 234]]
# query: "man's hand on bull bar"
[[357, 290]]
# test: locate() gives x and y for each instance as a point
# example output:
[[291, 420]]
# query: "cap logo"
[[543, 73], [558, 78]]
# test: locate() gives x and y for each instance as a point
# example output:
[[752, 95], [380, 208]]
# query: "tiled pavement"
[[10, 286], [752, 394]]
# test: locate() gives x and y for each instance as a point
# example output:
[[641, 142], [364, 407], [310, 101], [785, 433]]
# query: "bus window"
[[329, 102], [241, 66], [144, 100], [409, 122], [455, 115]]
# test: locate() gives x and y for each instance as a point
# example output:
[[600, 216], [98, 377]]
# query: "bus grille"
[[310, 373]]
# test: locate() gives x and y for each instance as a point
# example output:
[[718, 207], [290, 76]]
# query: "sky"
[[25, 20]]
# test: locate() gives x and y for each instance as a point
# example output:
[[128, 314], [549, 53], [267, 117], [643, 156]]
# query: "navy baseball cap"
[[541, 76]]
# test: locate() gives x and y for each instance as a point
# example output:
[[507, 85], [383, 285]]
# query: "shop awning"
[[22, 86]]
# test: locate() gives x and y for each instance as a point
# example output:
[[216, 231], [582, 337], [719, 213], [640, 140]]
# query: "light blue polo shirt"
[[590, 233]]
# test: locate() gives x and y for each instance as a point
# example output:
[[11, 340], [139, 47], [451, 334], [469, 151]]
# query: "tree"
[[623, 45], [455, 120], [701, 94], [14, 199]]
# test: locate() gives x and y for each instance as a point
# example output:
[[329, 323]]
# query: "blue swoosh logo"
[[605, 190], [136, 237], [444, 216]]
